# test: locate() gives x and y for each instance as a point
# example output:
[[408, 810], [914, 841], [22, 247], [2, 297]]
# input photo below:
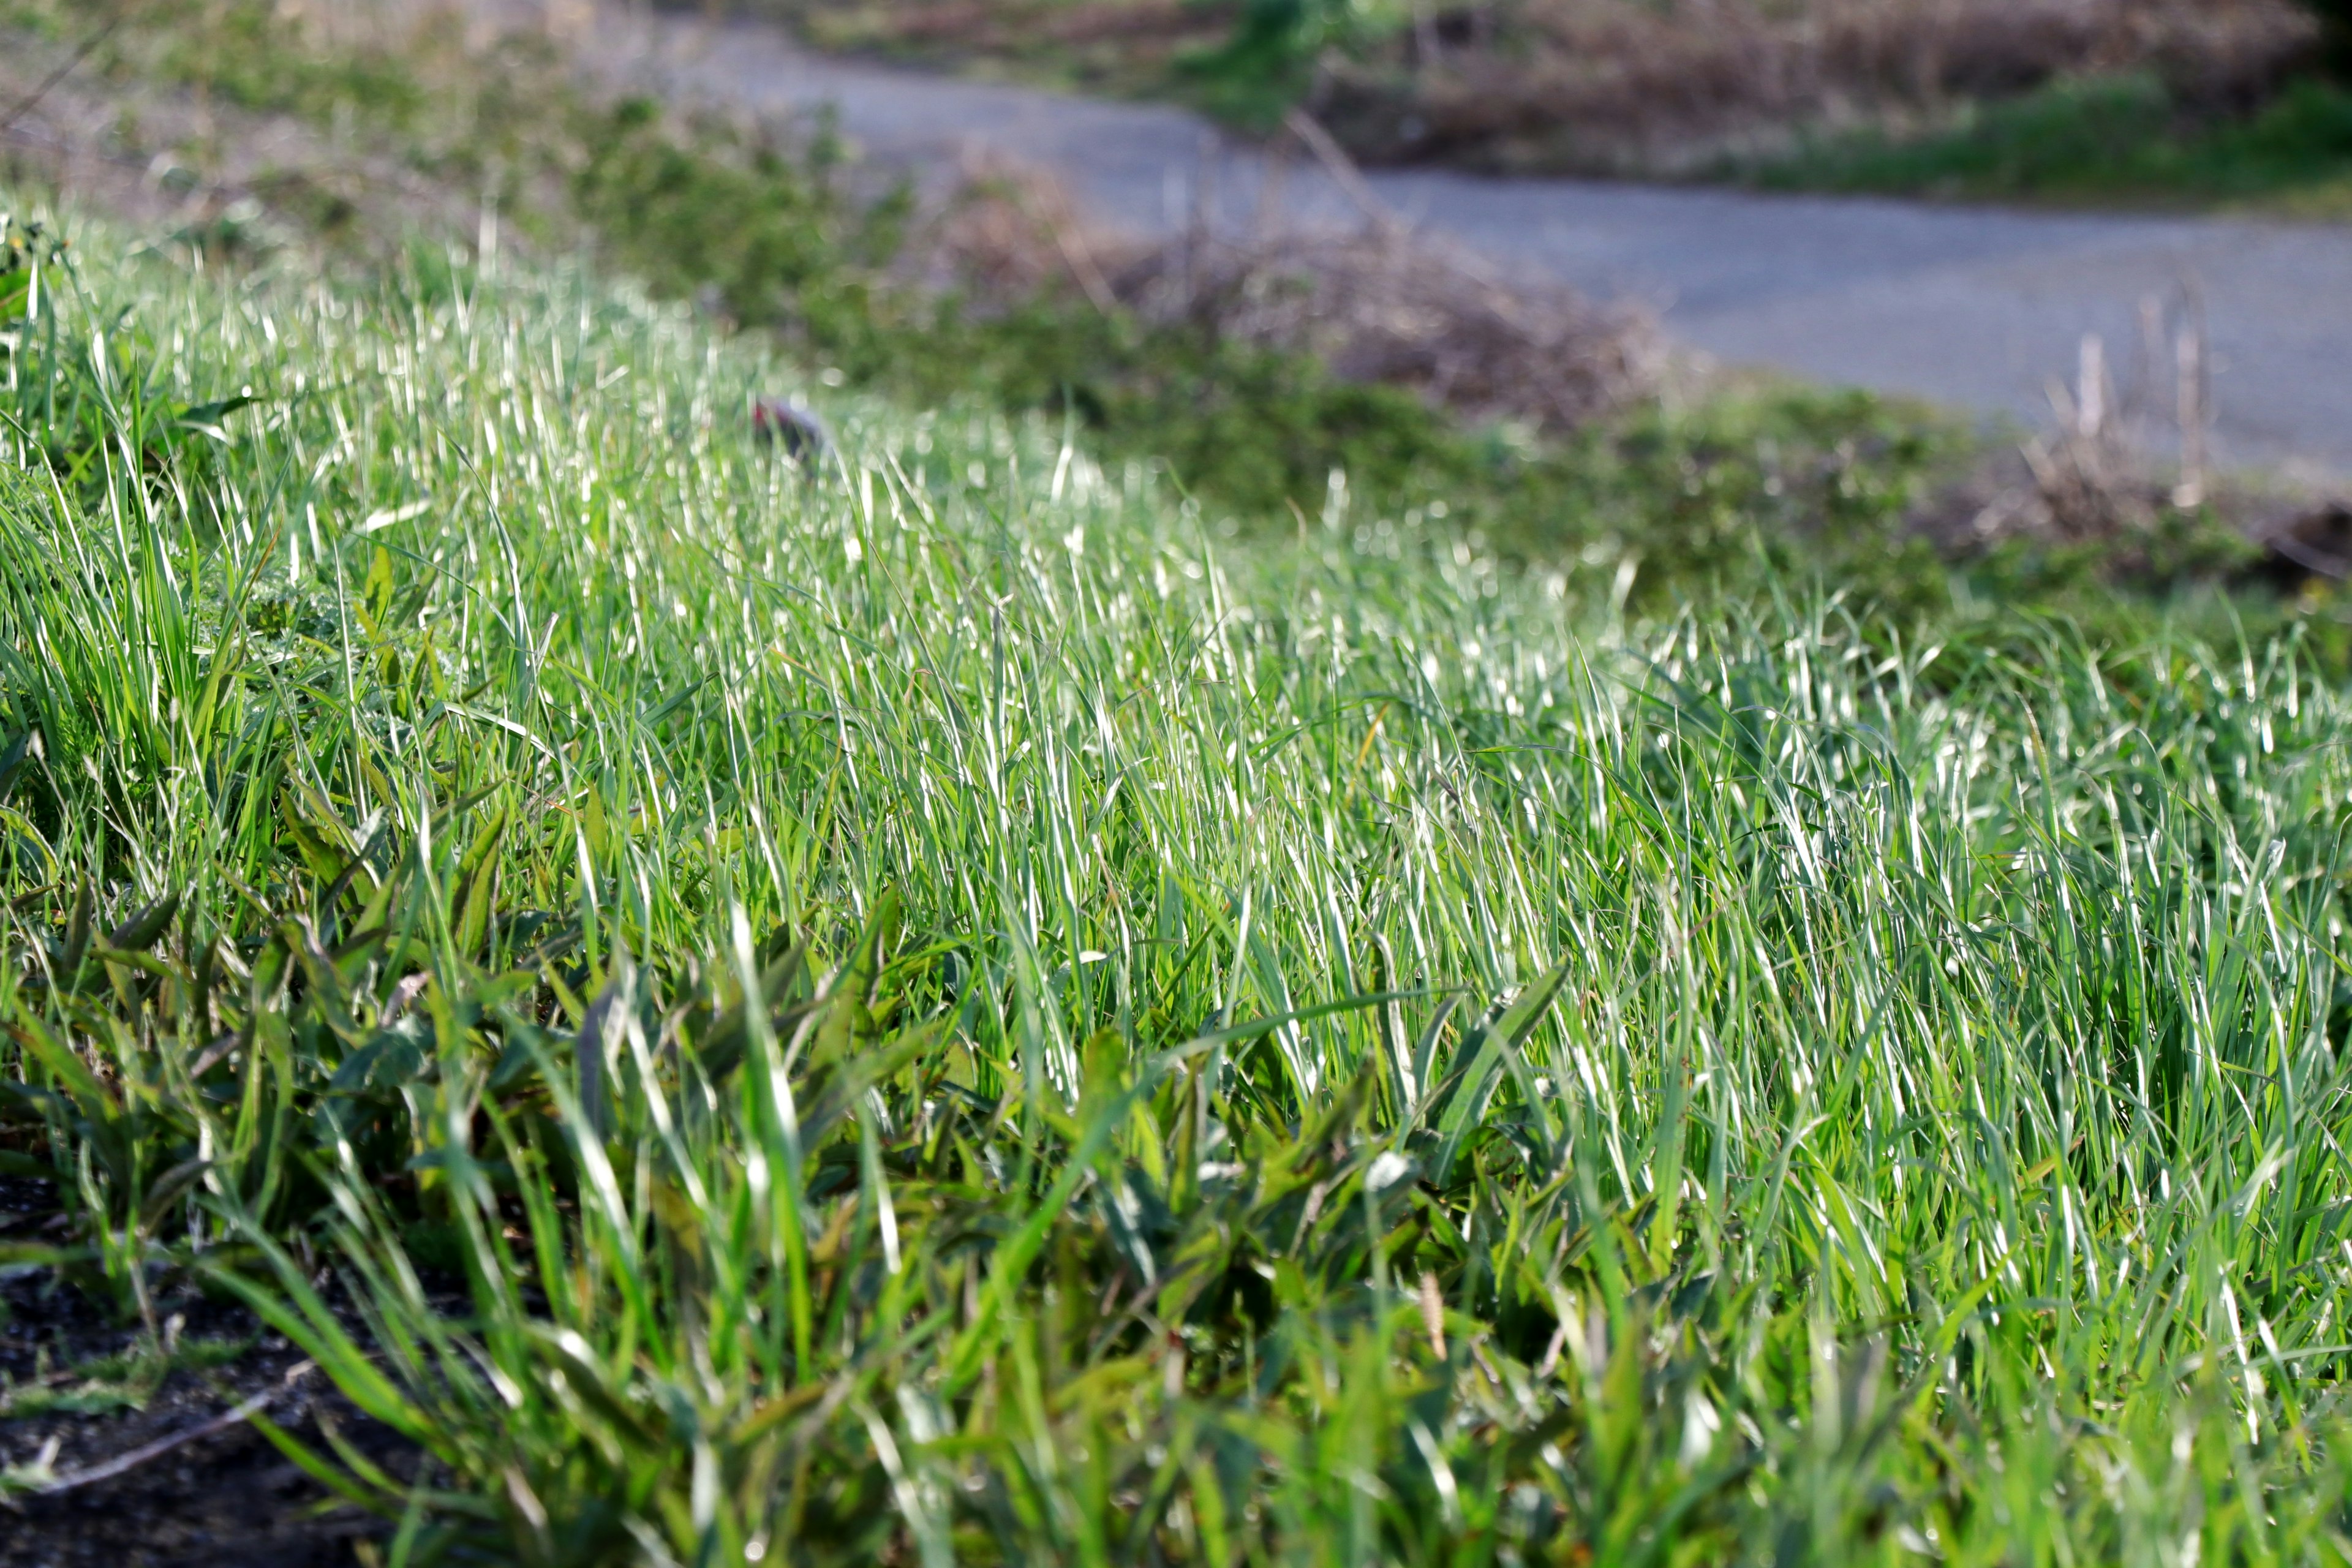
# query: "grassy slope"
[[1305, 1052], [776, 230]]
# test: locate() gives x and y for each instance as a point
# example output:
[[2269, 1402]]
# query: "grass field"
[[946, 1007]]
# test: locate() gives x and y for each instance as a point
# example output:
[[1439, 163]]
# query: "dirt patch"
[[79, 1389]]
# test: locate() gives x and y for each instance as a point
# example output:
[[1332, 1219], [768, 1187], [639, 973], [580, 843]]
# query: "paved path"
[[1972, 307]]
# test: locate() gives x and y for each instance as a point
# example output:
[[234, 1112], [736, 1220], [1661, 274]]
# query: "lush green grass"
[[2103, 139], [1325, 1049]]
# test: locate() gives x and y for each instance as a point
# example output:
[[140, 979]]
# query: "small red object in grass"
[[801, 432]]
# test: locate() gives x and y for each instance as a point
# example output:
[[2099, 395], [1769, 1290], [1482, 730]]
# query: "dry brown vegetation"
[[1617, 83], [1378, 302], [2123, 470]]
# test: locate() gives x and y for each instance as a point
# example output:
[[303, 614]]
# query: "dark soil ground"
[[69, 1375]]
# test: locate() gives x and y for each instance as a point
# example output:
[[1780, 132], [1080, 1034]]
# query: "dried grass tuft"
[[1381, 304], [2090, 479], [1376, 302], [2128, 480]]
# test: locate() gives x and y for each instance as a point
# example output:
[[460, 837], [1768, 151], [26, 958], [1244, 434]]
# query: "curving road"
[[1972, 307]]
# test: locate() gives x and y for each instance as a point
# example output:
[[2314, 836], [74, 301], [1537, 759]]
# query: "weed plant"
[[937, 1008], [1267, 64]]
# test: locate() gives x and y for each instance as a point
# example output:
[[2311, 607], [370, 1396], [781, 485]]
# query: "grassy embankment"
[[776, 232], [1308, 1043], [1303, 1050]]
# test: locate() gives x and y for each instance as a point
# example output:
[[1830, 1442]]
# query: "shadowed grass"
[[2111, 139], [936, 1010]]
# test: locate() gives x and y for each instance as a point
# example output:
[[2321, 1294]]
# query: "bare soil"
[[225, 1500]]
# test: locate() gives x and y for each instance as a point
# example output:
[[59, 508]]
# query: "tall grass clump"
[[930, 1008]]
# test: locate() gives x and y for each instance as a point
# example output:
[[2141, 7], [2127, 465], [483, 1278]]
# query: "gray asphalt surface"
[[1972, 307]]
